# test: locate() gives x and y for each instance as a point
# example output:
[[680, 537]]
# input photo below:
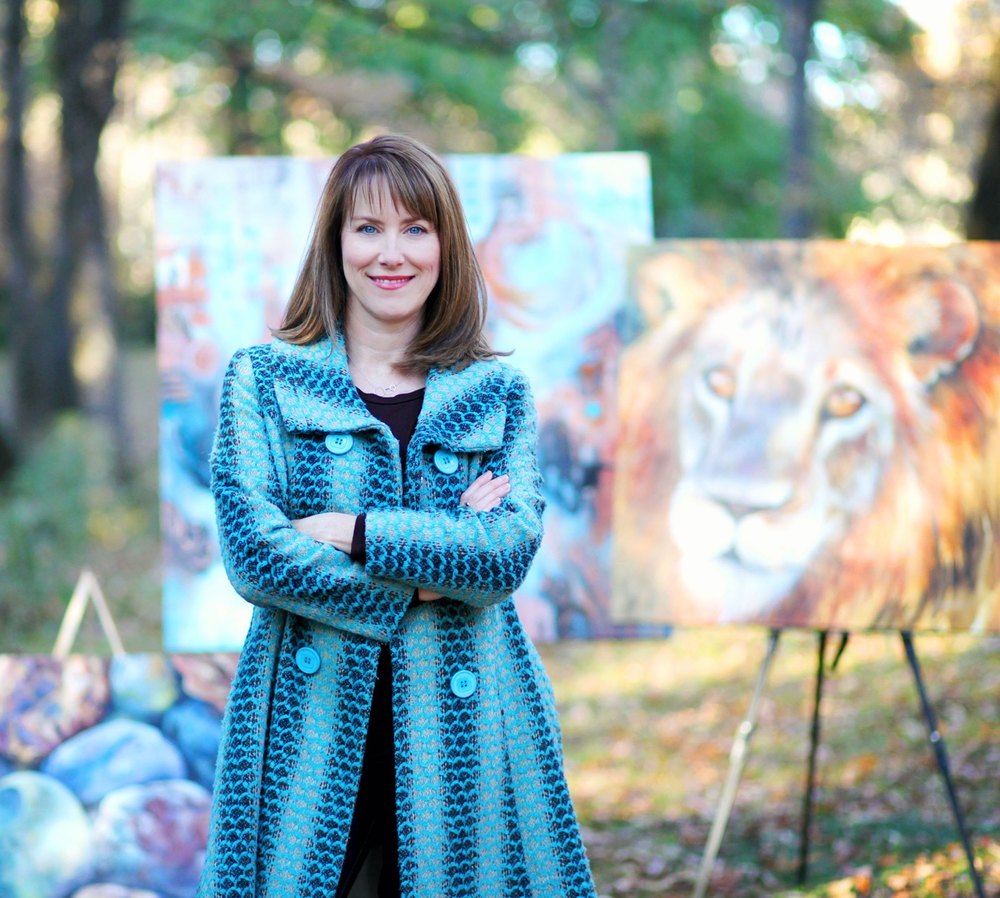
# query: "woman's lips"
[[390, 283]]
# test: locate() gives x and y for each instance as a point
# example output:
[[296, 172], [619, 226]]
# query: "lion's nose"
[[741, 497], [738, 510]]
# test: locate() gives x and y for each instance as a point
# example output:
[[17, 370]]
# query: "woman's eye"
[[416, 229], [366, 229], [843, 402], [721, 381]]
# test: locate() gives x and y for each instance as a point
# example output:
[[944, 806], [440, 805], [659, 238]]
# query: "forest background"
[[875, 120]]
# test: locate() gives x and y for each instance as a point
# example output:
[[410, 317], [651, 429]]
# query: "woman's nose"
[[390, 252]]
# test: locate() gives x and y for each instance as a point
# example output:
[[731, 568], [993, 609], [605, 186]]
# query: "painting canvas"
[[552, 236], [809, 437], [106, 772]]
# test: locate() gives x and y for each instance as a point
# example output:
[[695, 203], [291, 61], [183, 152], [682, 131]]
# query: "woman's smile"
[[390, 283]]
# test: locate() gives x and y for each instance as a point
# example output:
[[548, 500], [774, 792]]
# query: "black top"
[[400, 413], [374, 820]]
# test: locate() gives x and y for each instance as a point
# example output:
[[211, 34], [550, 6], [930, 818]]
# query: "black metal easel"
[[741, 743]]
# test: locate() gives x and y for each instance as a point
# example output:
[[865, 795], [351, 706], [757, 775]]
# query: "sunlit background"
[[873, 124]]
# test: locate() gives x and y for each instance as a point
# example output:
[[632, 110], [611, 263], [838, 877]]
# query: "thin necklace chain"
[[389, 389]]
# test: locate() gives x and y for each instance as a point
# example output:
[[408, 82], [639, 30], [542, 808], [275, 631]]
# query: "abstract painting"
[[552, 236]]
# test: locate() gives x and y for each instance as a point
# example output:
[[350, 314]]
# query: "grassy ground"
[[648, 729], [648, 726], [62, 510]]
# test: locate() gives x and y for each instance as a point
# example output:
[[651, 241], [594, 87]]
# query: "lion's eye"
[[843, 402], [721, 381]]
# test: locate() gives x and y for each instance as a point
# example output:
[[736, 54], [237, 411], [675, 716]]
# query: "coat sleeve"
[[268, 562], [477, 558]]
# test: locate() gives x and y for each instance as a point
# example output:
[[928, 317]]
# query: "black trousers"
[[374, 823]]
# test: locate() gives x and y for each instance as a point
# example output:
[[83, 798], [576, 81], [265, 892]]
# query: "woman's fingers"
[[425, 595], [486, 492]]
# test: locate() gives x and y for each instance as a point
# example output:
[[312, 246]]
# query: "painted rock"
[[142, 686], [44, 701], [207, 677], [45, 837], [153, 836], [111, 890], [196, 728], [115, 753]]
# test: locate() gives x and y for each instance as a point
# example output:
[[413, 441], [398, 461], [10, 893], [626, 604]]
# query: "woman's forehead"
[[377, 194]]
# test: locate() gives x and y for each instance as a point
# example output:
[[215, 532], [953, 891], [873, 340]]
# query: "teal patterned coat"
[[483, 807]]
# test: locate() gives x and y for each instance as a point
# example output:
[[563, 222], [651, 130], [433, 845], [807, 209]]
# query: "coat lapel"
[[314, 391], [464, 411]]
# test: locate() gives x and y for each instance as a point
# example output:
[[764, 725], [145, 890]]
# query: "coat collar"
[[463, 410]]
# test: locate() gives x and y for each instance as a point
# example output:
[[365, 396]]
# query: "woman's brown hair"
[[415, 179]]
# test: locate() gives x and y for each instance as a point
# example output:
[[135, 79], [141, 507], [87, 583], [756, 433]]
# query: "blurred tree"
[[38, 318], [706, 88], [799, 17], [921, 151], [983, 219], [44, 283], [716, 92], [325, 70]]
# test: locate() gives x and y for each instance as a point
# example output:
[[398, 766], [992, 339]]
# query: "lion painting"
[[809, 437]]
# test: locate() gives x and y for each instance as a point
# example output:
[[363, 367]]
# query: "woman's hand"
[[485, 492], [333, 527]]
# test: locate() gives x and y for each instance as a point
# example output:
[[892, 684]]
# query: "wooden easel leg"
[[737, 761], [941, 754], [814, 729]]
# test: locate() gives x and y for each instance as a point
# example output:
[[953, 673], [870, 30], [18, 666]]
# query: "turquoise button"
[[446, 461], [307, 659], [339, 443], [463, 683]]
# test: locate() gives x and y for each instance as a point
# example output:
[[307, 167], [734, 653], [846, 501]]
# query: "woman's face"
[[392, 260]]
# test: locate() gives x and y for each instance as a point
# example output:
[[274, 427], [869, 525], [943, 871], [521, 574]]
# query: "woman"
[[378, 501]]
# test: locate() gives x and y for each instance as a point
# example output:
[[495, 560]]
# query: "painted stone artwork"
[[106, 770], [44, 701], [206, 677], [114, 753], [153, 836], [143, 687], [46, 837]]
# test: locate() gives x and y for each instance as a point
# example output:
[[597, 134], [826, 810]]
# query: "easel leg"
[[807, 804], [737, 761], [941, 754]]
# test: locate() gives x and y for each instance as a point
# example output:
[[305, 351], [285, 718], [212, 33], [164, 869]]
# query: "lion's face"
[[808, 437], [784, 431]]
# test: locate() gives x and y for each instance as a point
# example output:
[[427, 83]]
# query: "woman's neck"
[[376, 357]]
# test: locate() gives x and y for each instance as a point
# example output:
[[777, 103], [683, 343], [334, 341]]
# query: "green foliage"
[[211, 42], [700, 86], [62, 510]]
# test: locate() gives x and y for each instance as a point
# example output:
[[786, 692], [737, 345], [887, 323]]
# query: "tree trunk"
[[41, 333], [241, 137], [89, 36], [797, 213], [983, 219]]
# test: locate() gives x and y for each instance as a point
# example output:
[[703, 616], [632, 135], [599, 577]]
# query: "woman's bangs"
[[378, 176]]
